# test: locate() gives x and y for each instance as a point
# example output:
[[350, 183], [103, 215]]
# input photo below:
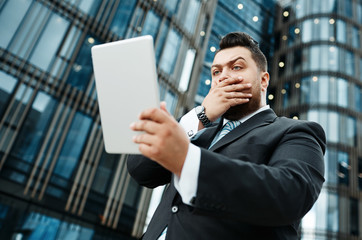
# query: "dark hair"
[[241, 39]]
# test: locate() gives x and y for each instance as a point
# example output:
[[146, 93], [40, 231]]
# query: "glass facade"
[[56, 180], [317, 77]]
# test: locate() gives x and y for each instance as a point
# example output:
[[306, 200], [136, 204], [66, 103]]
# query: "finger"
[[147, 139], [149, 151], [237, 87], [238, 101], [163, 107], [238, 95], [154, 114], [145, 126], [230, 81]]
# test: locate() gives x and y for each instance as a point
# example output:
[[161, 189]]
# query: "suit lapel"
[[204, 139], [261, 119]]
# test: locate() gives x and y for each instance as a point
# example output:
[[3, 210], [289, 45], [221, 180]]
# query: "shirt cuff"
[[190, 123], [186, 184]]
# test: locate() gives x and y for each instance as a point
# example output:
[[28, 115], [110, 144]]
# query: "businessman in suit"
[[256, 182]]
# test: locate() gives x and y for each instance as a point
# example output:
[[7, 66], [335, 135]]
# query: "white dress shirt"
[[186, 184]]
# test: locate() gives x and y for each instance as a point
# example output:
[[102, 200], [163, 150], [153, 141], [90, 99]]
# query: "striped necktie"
[[225, 130]]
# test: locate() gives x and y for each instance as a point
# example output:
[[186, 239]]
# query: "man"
[[256, 182]]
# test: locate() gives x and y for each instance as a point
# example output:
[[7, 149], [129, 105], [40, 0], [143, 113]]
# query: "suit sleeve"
[[146, 172], [278, 192]]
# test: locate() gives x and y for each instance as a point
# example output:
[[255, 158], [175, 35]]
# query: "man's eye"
[[237, 67], [215, 72]]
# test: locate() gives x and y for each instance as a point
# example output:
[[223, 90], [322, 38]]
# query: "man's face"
[[237, 62]]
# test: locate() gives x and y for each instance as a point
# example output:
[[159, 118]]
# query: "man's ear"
[[264, 80]]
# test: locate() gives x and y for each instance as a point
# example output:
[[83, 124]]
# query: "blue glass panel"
[[7, 85], [191, 16], [172, 5], [31, 27], [169, 55], [171, 100], [73, 145], [49, 42], [151, 24], [122, 17], [343, 168], [82, 69], [10, 21], [205, 82], [105, 171], [41, 226], [31, 134], [89, 7], [161, 40]]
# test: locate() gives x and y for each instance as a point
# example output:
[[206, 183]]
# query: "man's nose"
[[225, 74]]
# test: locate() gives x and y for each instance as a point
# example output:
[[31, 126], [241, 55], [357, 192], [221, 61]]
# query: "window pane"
[[186, 70], [82, 69], [7, 85], [343, 168], [49, 41], [122, 17], [105, 171], [341, 31], [34, 129], [151, 25], [10, 21], [191, 15], [76, 136], [342, 93], [333, 127], [170, 52]]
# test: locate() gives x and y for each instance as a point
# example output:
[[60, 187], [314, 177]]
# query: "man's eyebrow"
[[229, 62]]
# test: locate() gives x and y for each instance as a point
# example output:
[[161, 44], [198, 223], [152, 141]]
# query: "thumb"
[[163, 107]]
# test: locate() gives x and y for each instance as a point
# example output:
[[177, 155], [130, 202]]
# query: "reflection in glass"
[[122, 17], [34, 130], [191, 15], [49, 42], [82, 69], [76, 136], [151, 24], [7, 85], [10, 21], [323, 216], [171, 100], [186, 70], [170, 52]]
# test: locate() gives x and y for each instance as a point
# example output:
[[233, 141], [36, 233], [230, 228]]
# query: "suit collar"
[[204, 139], [261, 119]]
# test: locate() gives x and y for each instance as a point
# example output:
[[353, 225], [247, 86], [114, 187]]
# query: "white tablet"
[[126, 84]]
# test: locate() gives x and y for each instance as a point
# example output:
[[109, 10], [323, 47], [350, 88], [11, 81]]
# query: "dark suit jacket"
[[255, 183]]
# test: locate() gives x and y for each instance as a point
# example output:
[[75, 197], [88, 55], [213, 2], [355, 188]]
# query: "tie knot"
[[230, 125], [225, 130]]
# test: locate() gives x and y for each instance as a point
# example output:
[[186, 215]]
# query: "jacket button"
[[174, 209]]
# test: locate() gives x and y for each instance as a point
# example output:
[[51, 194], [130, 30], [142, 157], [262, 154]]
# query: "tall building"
[[56, 180], [255, 17], [317, 76]]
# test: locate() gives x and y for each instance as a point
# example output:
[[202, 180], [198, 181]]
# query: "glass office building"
[[255, 17], [317, 75], [56, 180]]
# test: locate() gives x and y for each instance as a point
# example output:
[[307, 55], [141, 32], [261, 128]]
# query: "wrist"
[[201, 115]]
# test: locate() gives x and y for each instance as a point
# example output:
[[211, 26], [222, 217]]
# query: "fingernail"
[[240, 78], [132, 125]]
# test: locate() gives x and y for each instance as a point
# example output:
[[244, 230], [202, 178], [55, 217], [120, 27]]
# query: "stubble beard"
[[242, 110]]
